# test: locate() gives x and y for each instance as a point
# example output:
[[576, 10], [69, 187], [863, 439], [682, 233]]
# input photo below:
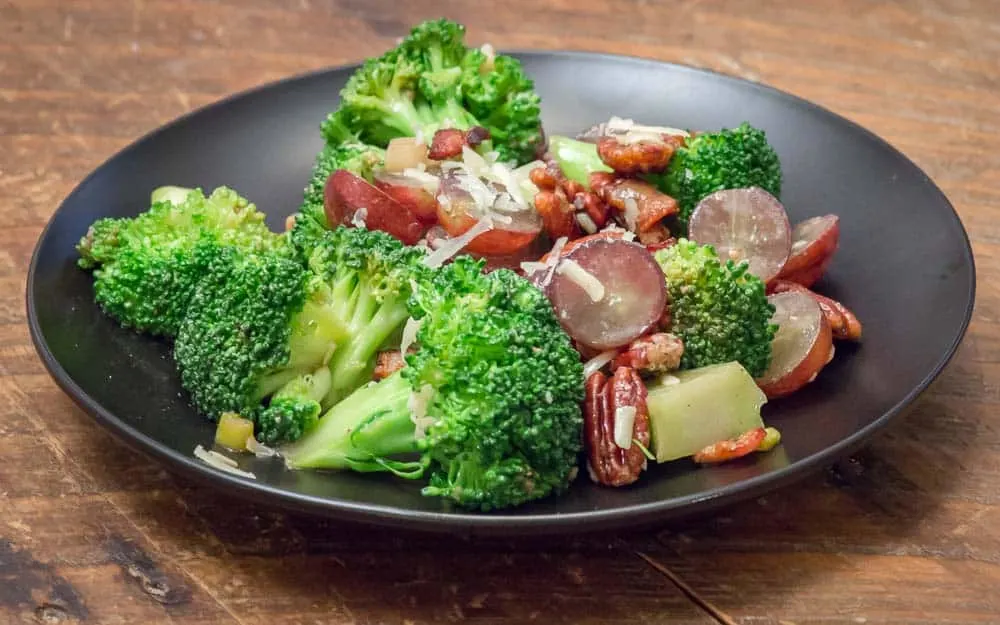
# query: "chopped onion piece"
[[404, 153], [259, 449], [417, 404], [474, 162], [582, 278], [597, 362], [220, 462], [453, 246], [624, 424], [409, 337]]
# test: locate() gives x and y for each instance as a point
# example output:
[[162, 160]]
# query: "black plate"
[[905, 266]]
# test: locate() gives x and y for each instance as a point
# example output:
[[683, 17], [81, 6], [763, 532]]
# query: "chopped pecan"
[[731, 449], [387, 363], [447, 143], [629, 159], [844, 324], [557, 214], [660, 245], [653, 353], [607, 463], [598, 180], [652, 205], [476, 135], [543, 178], [571, 188]]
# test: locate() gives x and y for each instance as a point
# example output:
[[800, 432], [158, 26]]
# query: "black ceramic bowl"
[[904, 266]]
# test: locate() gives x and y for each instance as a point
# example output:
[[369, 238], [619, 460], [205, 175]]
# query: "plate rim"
[[498, 523]]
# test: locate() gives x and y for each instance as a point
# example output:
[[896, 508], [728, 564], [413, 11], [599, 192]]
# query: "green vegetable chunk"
[[719, 309], [690, 410], [577, 159]]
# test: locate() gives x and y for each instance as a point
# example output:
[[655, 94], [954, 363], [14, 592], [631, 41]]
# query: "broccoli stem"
[[364, 432], [371, 325]]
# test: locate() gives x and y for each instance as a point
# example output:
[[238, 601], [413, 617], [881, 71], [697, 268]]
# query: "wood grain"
[[92, 533]]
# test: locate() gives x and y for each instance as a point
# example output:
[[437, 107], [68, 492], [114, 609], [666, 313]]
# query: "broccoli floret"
[[720, 310], [728, 159], [265, 326], [256, 323], [293, 410], [146, 268], [369, 274], [487, 408], [431, 80]]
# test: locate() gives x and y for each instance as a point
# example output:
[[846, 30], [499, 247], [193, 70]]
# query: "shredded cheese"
[[259, 449], [553, 259], [597, 362], [220, 462], [631, 213], [586, 223], [417, 404], [409, 337], [582, 278], [450, 247], [624, 424], [358, 220]]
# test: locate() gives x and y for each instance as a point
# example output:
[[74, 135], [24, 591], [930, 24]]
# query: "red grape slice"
[[345, 195], [633, 298], [412, 193], [458, 211], [813, 243], [744, 224], [802, 346]]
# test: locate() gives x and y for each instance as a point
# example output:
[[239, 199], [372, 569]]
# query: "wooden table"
[[92, 533]]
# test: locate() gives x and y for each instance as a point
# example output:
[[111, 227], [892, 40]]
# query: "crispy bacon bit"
[[388, 363], [629, 159], [447, 143], [476, 135], [653, 353]]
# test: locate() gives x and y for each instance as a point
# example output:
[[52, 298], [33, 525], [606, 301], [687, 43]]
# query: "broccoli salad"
[[465, 301]]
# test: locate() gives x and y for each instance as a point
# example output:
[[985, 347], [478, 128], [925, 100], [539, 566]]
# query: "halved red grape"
[[744, 224], [463, 202], [347, 198], [607, 292], [813, 243], [419, 195], [802, 346]]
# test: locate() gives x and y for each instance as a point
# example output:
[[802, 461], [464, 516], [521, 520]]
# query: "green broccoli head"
[[256, 323], [146, 268], [431, 80], [490, 400], [718, 309], [266, 326], [728, 159]]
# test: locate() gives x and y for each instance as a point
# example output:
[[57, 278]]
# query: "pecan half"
[[657, 235], [653, 353], [543, 178], [597, 210], [447, 143], [844, 324], [652, 205], [607, 463], [557, 214], [599, 180], [629, 159]]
